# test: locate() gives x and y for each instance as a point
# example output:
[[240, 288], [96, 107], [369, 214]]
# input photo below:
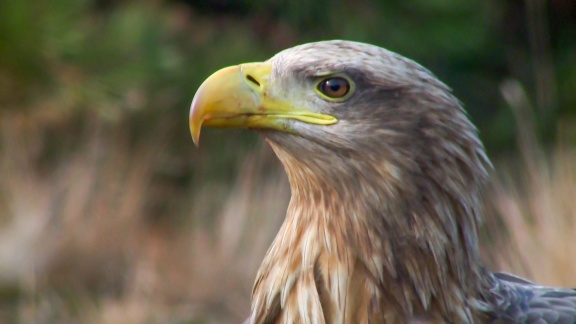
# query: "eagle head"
[[385, 172]]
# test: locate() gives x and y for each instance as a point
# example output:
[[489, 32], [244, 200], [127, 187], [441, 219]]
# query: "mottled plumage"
[[382, 224]]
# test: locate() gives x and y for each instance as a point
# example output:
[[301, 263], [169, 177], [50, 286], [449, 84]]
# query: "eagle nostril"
[[252, 80]]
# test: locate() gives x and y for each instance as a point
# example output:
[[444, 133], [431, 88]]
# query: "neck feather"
[[370, 243]]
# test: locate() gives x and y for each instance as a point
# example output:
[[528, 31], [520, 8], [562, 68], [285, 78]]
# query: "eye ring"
[[334, 88]]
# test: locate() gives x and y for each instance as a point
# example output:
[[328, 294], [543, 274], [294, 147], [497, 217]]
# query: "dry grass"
[[82, 237], [539, 212], [533, 202]]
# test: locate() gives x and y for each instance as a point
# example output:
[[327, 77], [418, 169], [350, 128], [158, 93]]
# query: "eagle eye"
[[334, 87]]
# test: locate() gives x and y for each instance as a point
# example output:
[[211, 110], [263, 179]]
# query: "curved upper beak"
[[237, 96]]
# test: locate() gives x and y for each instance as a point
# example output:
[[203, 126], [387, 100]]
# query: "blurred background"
[[108, 214]]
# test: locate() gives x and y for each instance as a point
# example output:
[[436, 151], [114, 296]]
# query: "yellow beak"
[[237, 96]]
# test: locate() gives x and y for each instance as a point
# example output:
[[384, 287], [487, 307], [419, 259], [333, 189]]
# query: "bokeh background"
[[108, 214]]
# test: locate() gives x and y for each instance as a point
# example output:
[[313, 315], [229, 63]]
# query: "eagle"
[[386, 175]]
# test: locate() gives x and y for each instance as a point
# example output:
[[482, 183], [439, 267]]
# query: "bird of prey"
[[386, 175]]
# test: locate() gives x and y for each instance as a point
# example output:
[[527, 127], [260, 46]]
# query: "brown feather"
[[382, 223]]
